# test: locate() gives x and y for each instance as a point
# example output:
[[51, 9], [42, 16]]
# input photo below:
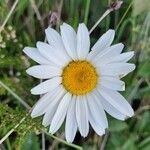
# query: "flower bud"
[[115, 5], [53, 19]]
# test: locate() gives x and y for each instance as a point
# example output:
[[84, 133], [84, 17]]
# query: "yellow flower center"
[[79, 77]]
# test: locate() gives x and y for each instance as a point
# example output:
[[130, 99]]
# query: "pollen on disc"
[[79, 77]]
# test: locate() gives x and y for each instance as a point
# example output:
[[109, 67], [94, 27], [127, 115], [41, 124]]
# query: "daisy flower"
[[79, 84]]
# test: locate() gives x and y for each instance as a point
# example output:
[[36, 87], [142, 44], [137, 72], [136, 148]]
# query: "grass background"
[[26, 26]]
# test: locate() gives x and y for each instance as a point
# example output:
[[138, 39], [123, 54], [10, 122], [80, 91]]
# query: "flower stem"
[[43, 141], [63, 141], [100, 19]]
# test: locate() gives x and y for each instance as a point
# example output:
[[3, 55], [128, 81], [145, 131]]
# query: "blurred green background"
[[26, 26]]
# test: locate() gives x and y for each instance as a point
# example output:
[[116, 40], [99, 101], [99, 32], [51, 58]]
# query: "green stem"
[[8, 144], [13, 129], [124, 15], [63, 141], [87, 11], [15, 95]]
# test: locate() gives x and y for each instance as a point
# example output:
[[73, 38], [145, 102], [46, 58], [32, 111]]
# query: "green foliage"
[[144, 70], [117, 126], [30, 142], [29, 126], [140, 6]]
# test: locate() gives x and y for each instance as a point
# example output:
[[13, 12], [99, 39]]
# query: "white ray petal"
[[116, 69], [109, 53], [71, 123], [69, 39], [111, 110], [53, 37], [124, 57], [82, 115], [44, 71], [52, 107], [112, 83], [60, 113], [34, 54], [55, 40], [44, 101], [117, 101], [94, 121], [83, 41], [97, 110], [46, 86], [104, 41], [53, 54], [95, 125]]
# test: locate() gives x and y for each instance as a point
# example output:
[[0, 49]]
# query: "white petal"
[[52, 107], [124, 57], [95, 125], [55, 40], [82, 115], [104, 41], [53, 54], [83, 41], [112, 110], [71, 123], [44, 71], [116, 69], [69, 39], [53, 37], [44, 101], [117, 101], [97, 110], [60, 113], [112, 83], [46, 86], [34, 54], [109, 53]]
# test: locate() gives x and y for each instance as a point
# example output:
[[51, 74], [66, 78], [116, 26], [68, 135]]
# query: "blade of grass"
[[87, 11], [13, 129], [35, 8], [9, 14], [15, 95], [8, 143], [124, 15]]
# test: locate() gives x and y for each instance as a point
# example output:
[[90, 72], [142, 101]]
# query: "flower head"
[[81, 83]]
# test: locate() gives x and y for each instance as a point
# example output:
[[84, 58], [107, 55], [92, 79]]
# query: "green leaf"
[[143, 123], [145, 144], [130, 143], [115, 141], [30, 143], [117, 126], [144, 70]]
